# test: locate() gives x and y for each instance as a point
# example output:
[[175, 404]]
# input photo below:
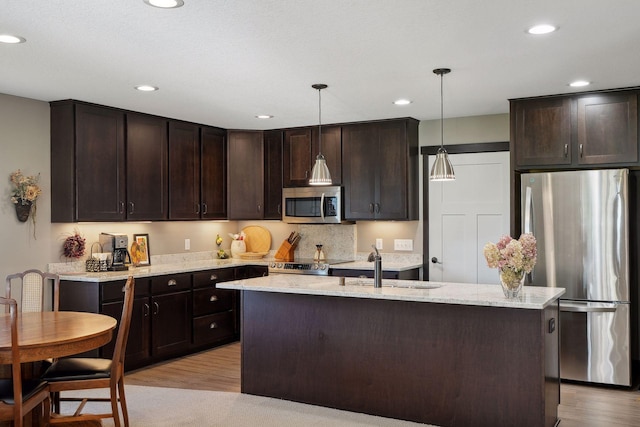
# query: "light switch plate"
[[403, 244]]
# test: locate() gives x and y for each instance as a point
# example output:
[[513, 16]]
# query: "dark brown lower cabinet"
[[173, 315]]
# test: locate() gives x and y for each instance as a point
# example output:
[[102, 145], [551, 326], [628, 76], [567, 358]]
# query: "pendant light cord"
[[319, 121], [441, 113]]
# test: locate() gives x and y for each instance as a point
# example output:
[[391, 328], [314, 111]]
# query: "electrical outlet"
[[403, 244], [187, 244], [378, 243]]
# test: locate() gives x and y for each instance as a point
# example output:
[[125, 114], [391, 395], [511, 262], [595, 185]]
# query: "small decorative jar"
[[238, 247]]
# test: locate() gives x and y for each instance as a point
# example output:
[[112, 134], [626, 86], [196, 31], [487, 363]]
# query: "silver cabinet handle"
[[213, 298], [172, 282], [213, 277], [132, 206], [566, 150], [157, 308], [370, 207], [121, 207], [580, 150], [204, 209], [259, 206], [146, 310], [213, 325], [279, 208], [377, 205]]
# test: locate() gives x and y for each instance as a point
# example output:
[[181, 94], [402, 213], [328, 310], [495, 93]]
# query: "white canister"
[[238, 247]]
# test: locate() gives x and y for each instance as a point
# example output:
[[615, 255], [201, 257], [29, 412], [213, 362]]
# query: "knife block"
[[285, 252]]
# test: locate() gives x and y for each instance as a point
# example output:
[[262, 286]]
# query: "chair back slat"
[[117, 365], [16, 372]]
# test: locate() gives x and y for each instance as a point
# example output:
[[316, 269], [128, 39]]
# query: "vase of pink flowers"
[[513, 258]]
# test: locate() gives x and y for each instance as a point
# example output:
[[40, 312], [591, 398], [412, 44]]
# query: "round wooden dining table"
[[52, 334]]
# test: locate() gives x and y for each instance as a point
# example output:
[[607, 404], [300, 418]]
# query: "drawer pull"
[[213, 325], [213, 298], [213, 277], [172, 282]]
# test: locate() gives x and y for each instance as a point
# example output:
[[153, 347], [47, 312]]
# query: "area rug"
[[170, 407]]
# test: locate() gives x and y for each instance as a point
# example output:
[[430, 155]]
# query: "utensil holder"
[[285, 252]]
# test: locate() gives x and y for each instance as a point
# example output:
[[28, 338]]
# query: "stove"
[[303, 267]]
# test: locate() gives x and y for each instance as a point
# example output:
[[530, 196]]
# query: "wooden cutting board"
[[258, 239]]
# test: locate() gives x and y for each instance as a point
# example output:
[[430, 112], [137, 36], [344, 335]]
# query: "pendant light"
[[320, 174], [442, 169]]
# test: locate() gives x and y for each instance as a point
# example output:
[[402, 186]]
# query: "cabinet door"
[[184, 171], [331, 149], [393, 166], [297, 157], [138, 350], [214, 173], [100, 164], [246, 175], [608, 128], [273, 175], [359, 163], [542, 131], [170, 324], [146, 167]]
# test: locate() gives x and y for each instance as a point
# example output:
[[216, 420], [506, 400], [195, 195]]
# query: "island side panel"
[[450, 365]]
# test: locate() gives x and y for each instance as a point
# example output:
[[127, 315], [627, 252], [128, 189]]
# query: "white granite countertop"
[[186, 265], [532, 297]]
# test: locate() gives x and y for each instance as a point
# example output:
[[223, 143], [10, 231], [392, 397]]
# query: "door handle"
[[587, 307], [434, 260]]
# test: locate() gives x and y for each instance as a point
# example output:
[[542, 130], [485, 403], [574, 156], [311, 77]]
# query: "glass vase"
[[511, 283]]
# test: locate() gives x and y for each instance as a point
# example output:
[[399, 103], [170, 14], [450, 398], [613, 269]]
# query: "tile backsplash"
[[338, 241]]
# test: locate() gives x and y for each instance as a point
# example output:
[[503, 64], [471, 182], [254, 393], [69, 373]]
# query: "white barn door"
[[467, 213]]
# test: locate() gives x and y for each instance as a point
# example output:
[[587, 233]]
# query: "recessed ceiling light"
[[264, 116], [146, 88], [402, 102], [165, 4], [579, 83], [541, 29], [9, 39]]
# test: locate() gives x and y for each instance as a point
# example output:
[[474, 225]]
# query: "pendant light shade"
[[320, 174], [442, 169]]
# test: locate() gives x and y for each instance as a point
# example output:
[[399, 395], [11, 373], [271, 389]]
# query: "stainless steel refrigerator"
[[580, 221]]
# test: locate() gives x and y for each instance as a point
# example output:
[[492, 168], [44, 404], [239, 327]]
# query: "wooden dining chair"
[[90, 373], [35, 292], [18, 397]]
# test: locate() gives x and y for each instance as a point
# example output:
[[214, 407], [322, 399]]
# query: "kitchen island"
[[439, 353]]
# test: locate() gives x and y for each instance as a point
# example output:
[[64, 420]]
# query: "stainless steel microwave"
[[312, 205]]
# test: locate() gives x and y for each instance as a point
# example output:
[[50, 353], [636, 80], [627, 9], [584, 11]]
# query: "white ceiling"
[[222, 62]]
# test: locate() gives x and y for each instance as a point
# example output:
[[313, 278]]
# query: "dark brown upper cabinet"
[[380, 170], [197, 172], [245, 175], [147, 167], [575, 131], [87, 163], [300, 149], [272, 174]]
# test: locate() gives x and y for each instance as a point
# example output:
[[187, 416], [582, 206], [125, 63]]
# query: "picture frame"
[[142, 255]]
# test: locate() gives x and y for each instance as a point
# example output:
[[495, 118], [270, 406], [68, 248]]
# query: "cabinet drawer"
[[211, 277], [113, 291], [215, 327], [211, 300], [170, 283]]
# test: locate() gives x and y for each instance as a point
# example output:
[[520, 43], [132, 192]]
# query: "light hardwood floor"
[[219, 369]]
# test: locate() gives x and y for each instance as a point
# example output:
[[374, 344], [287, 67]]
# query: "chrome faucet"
[[377, 267]]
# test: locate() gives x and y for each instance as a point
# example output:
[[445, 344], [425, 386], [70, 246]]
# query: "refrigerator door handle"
[[587, 307], [528, 221]]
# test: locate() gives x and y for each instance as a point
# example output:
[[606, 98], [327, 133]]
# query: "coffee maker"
[[116, 244]]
